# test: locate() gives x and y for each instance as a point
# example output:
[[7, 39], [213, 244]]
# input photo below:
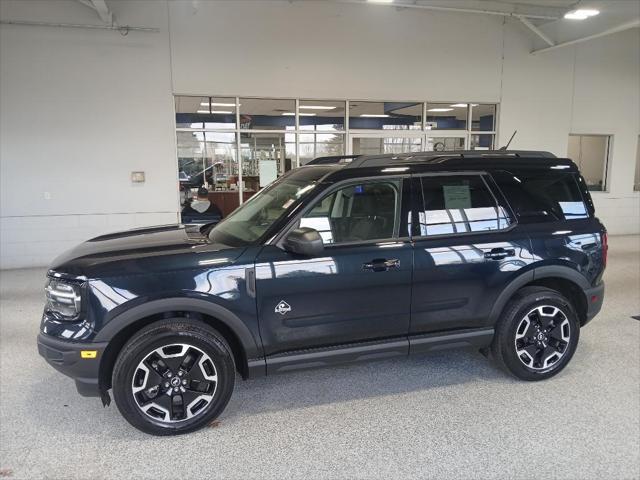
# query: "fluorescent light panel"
[[302, 114], [317, 107], [380, 1], [440, 109], [222, 112], [581, 14], [215, 104], [374, 115]]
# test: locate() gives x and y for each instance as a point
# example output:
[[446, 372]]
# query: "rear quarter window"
[[541, 196]]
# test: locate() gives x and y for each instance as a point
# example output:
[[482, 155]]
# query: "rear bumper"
[[65, 357], [595, 298]]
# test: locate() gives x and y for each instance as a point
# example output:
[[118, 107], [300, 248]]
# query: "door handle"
[[381, 264], [499, 253]]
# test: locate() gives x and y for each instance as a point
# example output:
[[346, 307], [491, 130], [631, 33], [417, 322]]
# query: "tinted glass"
[[253, 218], [363, 212], [459, 204], [542, 196]]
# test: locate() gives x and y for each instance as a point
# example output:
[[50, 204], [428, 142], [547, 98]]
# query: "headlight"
[[64, 299]]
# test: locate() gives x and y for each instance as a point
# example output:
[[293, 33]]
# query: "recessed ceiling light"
[[440, 109], [317, 107], [214, 104], [213, 112], [459, 105], [374, 115], [302, 114], [581, 14], [380, 1]]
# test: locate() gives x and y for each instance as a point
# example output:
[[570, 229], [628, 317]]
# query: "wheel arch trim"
[[537, 273], [251, 348]]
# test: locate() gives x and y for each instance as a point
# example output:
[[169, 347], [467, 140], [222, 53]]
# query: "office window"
[[206, 112], [385, 115], [321, 115], [447, 116], [459, 204], [267, 114], [591, 154]]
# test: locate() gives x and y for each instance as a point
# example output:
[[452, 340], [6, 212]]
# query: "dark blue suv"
[[344, 259]]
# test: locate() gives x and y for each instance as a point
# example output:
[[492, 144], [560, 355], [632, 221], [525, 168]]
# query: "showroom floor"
[[447, 415]]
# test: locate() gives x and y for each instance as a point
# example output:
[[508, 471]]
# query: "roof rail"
[[436, 157], [332, 159]]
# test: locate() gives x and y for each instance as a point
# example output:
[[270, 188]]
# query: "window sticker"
[[456, 196]]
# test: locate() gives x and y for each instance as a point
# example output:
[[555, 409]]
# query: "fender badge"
[[283, 307]]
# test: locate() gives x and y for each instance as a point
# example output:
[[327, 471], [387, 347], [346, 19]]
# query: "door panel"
[[457, 280], [467, 249], [348, 295], [359, 289]]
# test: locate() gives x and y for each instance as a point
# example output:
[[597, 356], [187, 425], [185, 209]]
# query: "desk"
[[228, 200]]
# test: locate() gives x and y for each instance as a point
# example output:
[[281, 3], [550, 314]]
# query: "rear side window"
[[542, 196], [459, 204]]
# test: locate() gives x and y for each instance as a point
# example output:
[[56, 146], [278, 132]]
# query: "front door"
[[358, 290]]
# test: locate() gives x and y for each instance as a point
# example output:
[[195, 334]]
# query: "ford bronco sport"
[[344, 259]]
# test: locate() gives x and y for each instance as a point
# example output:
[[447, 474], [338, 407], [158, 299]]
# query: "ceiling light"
[[222, 112], [374, 115], [302, 114], [581, 14], [380, 1], [440, 109], [317, 107], [213, 104], [459, 105]]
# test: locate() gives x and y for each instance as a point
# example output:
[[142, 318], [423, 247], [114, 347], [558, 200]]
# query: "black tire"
[[200, 343], [512, 324]]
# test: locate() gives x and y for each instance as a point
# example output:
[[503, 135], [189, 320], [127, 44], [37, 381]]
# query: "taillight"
[[605, 249]]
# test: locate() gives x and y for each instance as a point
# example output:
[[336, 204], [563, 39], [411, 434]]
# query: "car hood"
[[143, 250]]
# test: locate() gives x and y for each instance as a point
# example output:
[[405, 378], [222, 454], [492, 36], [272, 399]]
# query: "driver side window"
[[356, 213]]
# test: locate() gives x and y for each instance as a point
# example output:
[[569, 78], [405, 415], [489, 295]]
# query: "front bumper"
[[65, 357], [595, 298]]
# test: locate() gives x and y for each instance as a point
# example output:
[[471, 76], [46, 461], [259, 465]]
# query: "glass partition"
[[234, 146]]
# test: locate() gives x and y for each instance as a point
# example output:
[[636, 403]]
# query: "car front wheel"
[[173, 377]]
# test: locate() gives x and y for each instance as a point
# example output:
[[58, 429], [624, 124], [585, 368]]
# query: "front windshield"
[[251, 220]]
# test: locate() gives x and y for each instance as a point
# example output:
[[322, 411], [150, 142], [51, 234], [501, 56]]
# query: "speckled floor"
[[446, 415]]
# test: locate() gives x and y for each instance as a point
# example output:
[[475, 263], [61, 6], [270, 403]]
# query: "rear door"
[[359, 289], [468, 247]]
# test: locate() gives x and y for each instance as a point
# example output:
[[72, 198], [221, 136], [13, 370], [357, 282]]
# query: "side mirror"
[[304, 241]]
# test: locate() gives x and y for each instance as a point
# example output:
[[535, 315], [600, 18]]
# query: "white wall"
[[82, 109]]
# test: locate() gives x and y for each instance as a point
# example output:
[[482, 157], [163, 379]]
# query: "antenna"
[[509, 142]]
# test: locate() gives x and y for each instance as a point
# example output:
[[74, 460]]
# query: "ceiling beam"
[[527, 23], [620, 28], [422, 6], [104, 13]]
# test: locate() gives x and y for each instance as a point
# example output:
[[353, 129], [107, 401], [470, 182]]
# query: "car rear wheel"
[[174, 376], [537, 334]]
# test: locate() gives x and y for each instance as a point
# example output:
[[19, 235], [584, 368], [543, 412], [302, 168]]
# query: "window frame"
[[607, 160], [405, 202], [487, 180]]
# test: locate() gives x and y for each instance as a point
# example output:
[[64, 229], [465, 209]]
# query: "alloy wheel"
[[542, 337], [174, 383]]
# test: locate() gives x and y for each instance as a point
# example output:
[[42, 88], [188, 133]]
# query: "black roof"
[[471, 160]]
